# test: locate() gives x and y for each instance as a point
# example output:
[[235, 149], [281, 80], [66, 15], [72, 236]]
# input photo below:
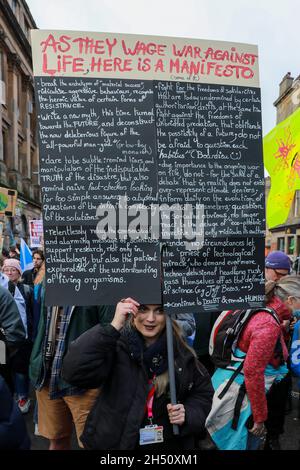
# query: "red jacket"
[[258, 340]]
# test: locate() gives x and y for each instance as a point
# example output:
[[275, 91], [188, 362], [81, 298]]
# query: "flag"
[[25, 256], [282, 161]]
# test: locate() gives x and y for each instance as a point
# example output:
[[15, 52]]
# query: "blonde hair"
[[287, 286]]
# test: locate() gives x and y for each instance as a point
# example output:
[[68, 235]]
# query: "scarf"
[[154, 358]]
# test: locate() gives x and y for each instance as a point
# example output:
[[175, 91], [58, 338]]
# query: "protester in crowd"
[[186, 323], [12, 333], [296, 265], [204, 324], [23, 296], [5, 253], [38, 263], [59, 403], [262, 345], [278, 265], [3, 278], [14, 252], [13, 434], [128, 360], [38, 306], [38, 298]]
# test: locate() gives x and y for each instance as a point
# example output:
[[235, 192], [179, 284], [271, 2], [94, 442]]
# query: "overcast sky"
[[271, 24]]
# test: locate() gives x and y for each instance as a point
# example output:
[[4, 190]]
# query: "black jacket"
[[10, 320], [29, 276], [101, 357]]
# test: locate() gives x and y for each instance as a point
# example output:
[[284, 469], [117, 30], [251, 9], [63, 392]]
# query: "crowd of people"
[[104, 369]]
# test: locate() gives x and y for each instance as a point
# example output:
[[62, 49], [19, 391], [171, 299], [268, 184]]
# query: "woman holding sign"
[[128, 360]]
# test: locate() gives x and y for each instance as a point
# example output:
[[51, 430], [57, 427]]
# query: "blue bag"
[[295, 351]]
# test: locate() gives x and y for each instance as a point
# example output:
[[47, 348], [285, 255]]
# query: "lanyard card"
[[151, 435]]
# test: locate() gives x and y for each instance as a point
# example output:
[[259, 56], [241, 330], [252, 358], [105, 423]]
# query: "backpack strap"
[[242, 390], [234, 375], [269, 310], [238, 406], [247, 315]]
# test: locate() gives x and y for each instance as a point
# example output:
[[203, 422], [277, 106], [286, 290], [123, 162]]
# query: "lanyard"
[[150, 398]]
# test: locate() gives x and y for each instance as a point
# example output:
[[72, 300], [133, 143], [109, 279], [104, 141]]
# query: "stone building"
[[19, 160], [286, 237]]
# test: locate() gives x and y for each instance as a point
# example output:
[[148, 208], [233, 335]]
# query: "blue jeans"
[[21, 385]]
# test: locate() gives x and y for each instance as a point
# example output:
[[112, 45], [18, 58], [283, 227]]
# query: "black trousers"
[[277, 399]]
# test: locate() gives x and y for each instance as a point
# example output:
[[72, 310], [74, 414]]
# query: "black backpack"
[[223, 342], [226, 333]]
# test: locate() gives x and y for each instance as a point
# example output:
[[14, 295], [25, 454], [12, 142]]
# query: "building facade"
[[19, 159], [286, 237]]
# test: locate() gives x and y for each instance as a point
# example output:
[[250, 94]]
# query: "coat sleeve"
[[261, 348], [198, 403], [90, 357], [10, 319]]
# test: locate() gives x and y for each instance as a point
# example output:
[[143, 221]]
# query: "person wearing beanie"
[[277, 265], [16, 271], [23, 296]]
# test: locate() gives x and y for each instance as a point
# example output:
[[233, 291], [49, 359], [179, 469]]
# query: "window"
[[291, 245], [280, 244], [2, 80], [19, 96], [297, 204], [4, 147], [14, 5], [298, 246], [1, 65], [26, 28]]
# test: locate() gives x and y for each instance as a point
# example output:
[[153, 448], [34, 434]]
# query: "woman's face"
[[150, 321], [293, 303], [12, 273]]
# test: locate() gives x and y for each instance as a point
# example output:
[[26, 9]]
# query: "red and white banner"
[[36, 233]]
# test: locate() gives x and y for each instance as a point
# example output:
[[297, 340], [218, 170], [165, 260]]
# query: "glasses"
[[10, 270]]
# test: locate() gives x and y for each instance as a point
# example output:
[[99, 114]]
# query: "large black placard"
[[209, 153], [97, 142], [153, 143]]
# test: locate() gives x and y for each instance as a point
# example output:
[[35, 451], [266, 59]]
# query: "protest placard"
[[139, 123], [8, 200], [36, 233]]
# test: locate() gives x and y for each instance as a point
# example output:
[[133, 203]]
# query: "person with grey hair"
[[263, 354], [277, 400]]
